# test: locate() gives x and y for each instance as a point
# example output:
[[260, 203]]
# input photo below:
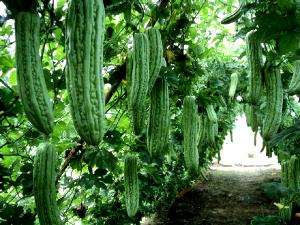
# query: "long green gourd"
[[286, 211], [44, 189], [139, 81], [294, 85], [293, 179], [247, 114], [31, 82], [297, 174], [155, 54], [254, 58], [274, 91], [190, 133], [159, 120], [201, 129], [131, 184], [211, 113], [84, 54], [234, 79], [251, 117], [211, 128], [129, 72]]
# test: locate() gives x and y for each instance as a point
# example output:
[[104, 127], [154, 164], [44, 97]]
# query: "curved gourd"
[[31, 82], [155, 54]]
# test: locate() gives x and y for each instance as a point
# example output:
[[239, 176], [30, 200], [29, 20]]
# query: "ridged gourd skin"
[[251, 117], [297, 173], [289, 178], [211, 132], [293, 172], [294, 85], [44, 189], [131, 184], [31, 82], [84, 54], [128, 72], [234, 79], [159, 120], [274, 91], [247, 114], [190, 133], [211, 113], [222, 101], [284, 173], [201, 129], [138, 82], [254, 58], [155, 54]]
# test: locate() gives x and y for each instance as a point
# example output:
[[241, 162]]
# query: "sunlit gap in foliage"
[[242, 154]]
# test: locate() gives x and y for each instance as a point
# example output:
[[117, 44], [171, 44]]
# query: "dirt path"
[[230, 196]]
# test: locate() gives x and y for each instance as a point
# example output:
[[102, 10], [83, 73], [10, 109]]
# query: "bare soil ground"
[[229, 196]]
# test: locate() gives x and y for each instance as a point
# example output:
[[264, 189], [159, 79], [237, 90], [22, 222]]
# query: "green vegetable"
[[211, 132], [156, 55], [201, 129], [212, 116], [274, 91], [190, 133], [84, 55], [131, 184], [138, 81], [31, 82], [234, 79], [159, 120], [294, 85], [44, 189], [251, 117], [254, 57]]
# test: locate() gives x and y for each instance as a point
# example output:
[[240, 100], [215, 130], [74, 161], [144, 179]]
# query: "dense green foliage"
[[200, 54]]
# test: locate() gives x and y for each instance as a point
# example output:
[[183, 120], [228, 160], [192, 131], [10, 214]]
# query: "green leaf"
[[15, 215], [100, 158], [286, 5], [290, 42]]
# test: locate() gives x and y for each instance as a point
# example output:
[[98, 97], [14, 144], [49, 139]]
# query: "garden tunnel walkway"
[[233, 192]]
